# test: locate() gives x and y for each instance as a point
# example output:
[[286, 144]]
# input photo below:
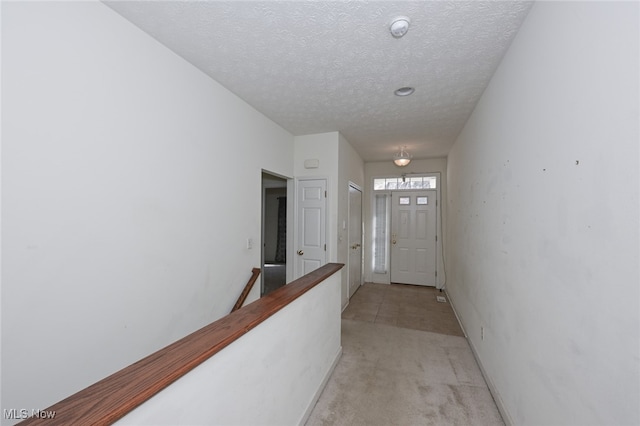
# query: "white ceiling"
[[320, 66]]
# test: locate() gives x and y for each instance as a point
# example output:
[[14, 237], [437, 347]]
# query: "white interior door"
[[311, 250], [413, 237], [355, 239]]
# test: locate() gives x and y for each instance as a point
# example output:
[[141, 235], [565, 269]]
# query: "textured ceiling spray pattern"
[[324, 66]]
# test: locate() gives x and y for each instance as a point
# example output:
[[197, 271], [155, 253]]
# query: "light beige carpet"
[[397, 376], [406, 306]]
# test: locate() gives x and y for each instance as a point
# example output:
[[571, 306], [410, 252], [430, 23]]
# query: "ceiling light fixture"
[[402, 158], [404, 91], [399, 26]]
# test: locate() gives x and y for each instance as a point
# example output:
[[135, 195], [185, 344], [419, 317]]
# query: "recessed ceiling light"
[[399, 26], [404, 91]]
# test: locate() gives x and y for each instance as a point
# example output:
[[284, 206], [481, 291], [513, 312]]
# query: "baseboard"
[[456, 314], [508, 421], [316, 396]]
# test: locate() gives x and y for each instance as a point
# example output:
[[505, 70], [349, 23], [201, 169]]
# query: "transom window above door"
[[398, 183]]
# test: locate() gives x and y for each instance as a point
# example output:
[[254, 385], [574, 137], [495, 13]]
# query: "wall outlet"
[[481, 333]]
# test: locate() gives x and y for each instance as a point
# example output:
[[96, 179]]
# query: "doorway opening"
[[274, 233], [406, 221]]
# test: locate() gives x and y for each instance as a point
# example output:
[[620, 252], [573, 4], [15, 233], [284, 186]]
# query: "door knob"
[[300, 252], [393, 241]]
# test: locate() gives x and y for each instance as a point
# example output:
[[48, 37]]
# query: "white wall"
[[124, 224], [272, 375], [388, 169], [543, 219], [324, 148], [339, 163]]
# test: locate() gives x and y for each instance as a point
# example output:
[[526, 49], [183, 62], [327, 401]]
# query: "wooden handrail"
[[247, 288], [113, 397]]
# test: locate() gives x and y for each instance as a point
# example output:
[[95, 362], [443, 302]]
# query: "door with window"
[[413, 237]]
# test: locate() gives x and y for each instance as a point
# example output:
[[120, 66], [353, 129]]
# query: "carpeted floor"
[[393, 372], [406, 306]]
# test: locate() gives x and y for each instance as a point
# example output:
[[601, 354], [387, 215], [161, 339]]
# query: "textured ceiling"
[[320, 66]]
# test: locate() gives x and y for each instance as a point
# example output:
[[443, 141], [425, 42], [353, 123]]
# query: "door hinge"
[[325, 247], [436, 238], [436, 273], [325, 194]]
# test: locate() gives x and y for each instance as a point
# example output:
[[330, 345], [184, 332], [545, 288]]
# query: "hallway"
[[405, 361]]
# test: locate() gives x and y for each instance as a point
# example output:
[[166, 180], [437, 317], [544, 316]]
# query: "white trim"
[[316, 396], [456, 314], [291, 228], [437, 175], [262, 233], [348, 233], [508, 421]]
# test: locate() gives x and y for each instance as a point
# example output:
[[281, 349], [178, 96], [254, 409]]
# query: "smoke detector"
[[399, 26]]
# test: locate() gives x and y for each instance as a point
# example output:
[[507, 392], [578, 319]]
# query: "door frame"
[[385, 277], [359, 189], [289, 257]]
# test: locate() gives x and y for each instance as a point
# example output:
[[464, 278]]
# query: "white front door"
[[413, 237], [311, 248], [355, 239]]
